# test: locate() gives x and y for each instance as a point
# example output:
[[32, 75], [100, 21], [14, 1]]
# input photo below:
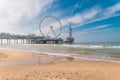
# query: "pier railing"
[[15, 39]]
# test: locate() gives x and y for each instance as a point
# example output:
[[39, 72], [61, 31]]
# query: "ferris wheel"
[[50, 26]]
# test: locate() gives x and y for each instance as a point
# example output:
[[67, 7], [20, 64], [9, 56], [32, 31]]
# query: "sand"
[[12, 55], [85, 70], [69, 70]]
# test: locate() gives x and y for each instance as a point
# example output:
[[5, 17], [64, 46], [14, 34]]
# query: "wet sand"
[[68, 70], [12, 55]]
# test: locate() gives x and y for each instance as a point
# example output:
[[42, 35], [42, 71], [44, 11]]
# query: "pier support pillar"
[[1, 42]]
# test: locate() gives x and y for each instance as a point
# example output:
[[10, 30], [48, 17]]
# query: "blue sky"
[[92, 20]]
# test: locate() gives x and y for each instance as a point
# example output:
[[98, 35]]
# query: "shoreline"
[[59, 55], [21, 57]]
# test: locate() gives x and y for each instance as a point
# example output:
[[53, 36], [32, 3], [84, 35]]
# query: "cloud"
[[13, 12], [103, 14], [81, 17], [112, 10], [81, 3], [72, 19], [77, 5], [91, 31], [98, 27], [95, 29], [103, 26]]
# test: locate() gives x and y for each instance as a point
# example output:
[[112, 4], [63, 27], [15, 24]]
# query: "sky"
[[91, 20]]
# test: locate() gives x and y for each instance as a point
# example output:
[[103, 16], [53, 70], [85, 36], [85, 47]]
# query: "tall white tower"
[[69, 39], [70, 31]]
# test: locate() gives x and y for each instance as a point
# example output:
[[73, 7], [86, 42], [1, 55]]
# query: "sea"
[[100, 51]]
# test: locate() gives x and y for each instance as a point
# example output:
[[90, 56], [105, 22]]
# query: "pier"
[[8, 38]]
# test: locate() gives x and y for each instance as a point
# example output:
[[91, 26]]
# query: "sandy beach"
[[12, 55], [68, 70]]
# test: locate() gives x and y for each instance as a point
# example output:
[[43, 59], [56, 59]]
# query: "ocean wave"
[[75, 56], [90, 46]]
